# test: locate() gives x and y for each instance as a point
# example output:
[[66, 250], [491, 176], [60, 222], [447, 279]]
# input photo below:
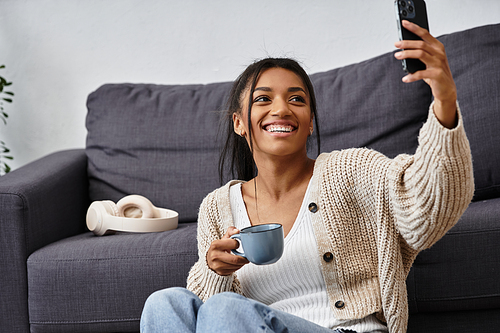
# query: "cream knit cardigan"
[[374, 215]]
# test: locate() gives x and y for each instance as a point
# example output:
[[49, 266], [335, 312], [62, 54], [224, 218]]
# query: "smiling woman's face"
[[281, 114]]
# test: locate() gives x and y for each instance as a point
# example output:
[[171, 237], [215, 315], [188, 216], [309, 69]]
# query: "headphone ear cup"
[[129, 205], [111, 208], [96, 216]]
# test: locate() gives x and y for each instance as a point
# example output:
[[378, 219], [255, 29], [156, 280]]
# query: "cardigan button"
[[339, 305], [328, 256], [313, 208]]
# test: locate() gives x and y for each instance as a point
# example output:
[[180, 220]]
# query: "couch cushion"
[[474, 60], [484, 321], [99, 284], [157, 141], [460, 272]]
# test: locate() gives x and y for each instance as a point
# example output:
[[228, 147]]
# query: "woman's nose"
[[280, 107]]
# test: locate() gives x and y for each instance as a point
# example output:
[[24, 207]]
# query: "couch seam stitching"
[[108, 259], [84, 321]]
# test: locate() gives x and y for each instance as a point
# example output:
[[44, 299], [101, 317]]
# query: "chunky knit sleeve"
[[212, 225], [430, 190]]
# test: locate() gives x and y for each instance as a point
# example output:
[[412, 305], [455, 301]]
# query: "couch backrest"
[[367, 105], [161, 141], [157, 141], [474, 57]]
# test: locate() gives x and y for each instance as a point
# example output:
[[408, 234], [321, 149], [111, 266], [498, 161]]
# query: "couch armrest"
[[40, 203]]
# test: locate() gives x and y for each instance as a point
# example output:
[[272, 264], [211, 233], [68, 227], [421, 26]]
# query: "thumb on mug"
[[231, 231]]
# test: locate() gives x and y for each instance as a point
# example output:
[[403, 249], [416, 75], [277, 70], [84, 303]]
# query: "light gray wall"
[[58, 51]]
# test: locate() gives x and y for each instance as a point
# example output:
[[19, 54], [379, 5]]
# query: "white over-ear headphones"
[[133, 213]]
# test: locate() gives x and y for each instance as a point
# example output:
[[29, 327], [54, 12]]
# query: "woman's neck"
[[278, 190], [279, 176]]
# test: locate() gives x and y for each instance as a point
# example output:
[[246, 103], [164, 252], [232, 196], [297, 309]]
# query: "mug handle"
[[238, 238]]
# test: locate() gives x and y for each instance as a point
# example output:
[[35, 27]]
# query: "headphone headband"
[[168, 220], [102, 218]]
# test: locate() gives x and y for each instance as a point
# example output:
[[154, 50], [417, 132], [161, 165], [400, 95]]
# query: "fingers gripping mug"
[[262, 244]]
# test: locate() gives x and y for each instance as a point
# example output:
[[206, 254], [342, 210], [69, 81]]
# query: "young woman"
[[354, 220]]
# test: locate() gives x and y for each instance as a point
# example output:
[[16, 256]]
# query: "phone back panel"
[[419, 17]]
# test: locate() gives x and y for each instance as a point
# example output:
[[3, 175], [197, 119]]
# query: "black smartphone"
[[414, 11]]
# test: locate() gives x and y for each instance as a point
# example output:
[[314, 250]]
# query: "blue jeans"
[[179, 310]]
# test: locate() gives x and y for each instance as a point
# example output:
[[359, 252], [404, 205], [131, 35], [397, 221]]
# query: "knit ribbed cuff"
[[448, 142]]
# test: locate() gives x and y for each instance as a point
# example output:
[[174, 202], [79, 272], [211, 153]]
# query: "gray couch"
[[162, 142]]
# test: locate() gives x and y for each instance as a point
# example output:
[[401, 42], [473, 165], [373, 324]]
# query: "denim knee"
[[162, 297], [170, 296], [220, 313], [222, 306], [230, 312], [172, 309], [225, 301]]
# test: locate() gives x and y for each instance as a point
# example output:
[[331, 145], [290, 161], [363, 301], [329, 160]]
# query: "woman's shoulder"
[[219, 195], [348, 156], [215, 210], [353, 164]]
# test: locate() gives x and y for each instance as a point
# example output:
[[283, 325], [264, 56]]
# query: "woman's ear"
[[239, 127]]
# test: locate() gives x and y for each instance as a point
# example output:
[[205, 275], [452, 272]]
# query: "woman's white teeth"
[[279, 129]]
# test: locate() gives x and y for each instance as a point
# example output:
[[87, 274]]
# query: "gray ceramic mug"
[[262, 244]]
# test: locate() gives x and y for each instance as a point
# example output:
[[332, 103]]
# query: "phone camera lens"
[[402, 3], [404, 13], [410, 9]]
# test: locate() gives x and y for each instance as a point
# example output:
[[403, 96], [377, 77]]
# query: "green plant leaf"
[[6, 168]]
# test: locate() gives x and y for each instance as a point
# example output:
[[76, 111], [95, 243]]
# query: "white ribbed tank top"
[[295, 283]]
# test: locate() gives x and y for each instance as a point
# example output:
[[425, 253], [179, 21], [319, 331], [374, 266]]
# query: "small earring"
[[310, 131]]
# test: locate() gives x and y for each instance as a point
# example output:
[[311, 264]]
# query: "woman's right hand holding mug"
[[219, 256]]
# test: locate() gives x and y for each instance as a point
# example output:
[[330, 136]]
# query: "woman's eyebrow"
[[295, 89], [291, 89], [263, 89]]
